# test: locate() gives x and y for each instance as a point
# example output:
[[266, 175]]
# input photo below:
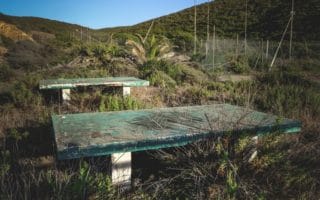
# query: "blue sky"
[[95, 13]]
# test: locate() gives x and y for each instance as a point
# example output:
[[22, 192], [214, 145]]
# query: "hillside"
[[32, 43], [29, 24], [56, 41], [266, 20]]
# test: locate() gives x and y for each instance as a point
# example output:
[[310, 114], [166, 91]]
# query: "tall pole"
[[214, 46], [87, 34], [81, 33], [291, 32], [267, 50], [245, 29], [280, 43], [148, 32], [237, 46], [262, 51], [195, 27], [208, 29]]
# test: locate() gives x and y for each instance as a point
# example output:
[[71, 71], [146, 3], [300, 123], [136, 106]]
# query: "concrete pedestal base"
[[126, 91], [66, 95], [121, 169], [255, 150]]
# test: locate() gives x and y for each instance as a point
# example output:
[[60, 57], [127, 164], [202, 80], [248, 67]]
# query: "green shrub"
[[191, 75], [172, 70], [197, 95], [289, 99], [240, 65], [182, 40], [116, 51], [99, 51], [198, 57], [117, 103], [102, 105], [21, 95], [232, 185], [25, 93], [161, 79], [5, 72], [225, 86], [85, 50], [284, 93], [30, 56], [4, 163], [102, 187]]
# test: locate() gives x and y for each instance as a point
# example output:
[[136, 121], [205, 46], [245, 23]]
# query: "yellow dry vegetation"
[[12, 32]]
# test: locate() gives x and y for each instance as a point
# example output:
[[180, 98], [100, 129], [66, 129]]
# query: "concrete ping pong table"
[[120, 133], [65, 85]]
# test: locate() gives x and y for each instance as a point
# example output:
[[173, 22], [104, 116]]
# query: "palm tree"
[[148, 49]]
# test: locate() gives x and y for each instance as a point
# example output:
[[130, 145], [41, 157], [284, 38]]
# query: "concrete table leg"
[[255, 150], [126, 91], [66, 97], [121, 169]]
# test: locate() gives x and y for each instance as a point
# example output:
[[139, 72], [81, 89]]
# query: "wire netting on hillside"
[[220, 53]]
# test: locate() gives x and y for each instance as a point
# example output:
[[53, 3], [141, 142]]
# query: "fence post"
[[267, 50], [261, 51], [195, 27], [237, 46], [213, 46], [306, 48]]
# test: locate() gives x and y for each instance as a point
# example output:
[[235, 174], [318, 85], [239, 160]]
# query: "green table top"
[[96, 134], [109, 81]]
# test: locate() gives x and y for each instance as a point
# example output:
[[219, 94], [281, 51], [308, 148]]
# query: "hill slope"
[[54, 41], [31, 43], [266, 19]]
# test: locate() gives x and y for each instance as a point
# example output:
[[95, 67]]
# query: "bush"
[[25, 93], [30, 56], [289, 99], [182, 40], [21, 95], [5, 73], [85, 50], [174, 71], [192, 75], [116, 103], [240, 65], [196, 95], [161, 79], [198, 57]]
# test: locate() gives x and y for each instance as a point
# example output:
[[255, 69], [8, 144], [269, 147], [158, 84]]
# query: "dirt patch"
[[234, 78], [40, 162]]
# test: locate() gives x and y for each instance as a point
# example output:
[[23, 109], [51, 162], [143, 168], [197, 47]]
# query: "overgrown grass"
[[287, 166]]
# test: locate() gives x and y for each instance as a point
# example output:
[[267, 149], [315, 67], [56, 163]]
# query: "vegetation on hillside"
[[266, 20]]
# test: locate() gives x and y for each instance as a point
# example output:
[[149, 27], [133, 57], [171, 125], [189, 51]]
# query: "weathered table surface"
[[108, 81], [96, 134]]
